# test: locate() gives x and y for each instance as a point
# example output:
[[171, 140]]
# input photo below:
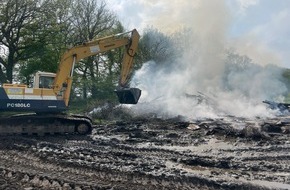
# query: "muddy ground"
[[151, 153]]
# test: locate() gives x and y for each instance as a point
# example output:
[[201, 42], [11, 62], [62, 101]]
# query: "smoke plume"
[[204, 81]]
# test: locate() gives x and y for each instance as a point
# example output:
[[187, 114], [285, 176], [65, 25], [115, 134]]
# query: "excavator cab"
[[43, 80], [128, 95]]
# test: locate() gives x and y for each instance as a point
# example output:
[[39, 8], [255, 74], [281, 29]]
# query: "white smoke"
[[202, 83], [183, 92]]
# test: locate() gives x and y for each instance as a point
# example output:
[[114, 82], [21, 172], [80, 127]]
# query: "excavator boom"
[[63, 79]]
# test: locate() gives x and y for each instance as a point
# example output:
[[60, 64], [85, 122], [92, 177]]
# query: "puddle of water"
[[270, 184], [108, 138]]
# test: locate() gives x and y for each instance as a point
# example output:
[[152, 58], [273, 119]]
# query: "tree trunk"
[[85, 86], [10, 66], [94, 77], [2, 76]]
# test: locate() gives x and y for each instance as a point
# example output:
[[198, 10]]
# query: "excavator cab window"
[[45, 82]]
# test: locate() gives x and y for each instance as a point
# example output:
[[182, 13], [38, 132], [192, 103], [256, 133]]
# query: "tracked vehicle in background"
[[48, 99]]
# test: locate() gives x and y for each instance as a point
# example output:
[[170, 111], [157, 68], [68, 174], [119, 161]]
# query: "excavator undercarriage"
[[38, 124]]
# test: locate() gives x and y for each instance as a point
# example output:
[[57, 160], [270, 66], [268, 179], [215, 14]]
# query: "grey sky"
[[257, 28]]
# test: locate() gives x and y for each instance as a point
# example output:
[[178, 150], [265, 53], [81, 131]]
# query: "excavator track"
[[43, 124]]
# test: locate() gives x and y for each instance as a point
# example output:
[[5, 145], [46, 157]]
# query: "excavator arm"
[[63, 80]]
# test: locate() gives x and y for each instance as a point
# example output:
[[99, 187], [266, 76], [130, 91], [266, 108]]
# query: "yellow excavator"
[[50, 94]]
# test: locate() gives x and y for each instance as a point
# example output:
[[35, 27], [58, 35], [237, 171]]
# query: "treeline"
[[34, 35]]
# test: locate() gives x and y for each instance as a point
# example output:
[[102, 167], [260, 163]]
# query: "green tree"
[[91, 19], [155, 45], [33, 35], [54, 31], [18, 27]]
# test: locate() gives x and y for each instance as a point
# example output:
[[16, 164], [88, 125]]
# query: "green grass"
[[86, 105]]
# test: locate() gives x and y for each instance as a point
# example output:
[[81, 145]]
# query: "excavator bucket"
[[128, 95]]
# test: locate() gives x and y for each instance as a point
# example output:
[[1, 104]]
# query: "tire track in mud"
[[145, 155]]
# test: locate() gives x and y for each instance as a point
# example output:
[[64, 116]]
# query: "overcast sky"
[[257, 28]]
